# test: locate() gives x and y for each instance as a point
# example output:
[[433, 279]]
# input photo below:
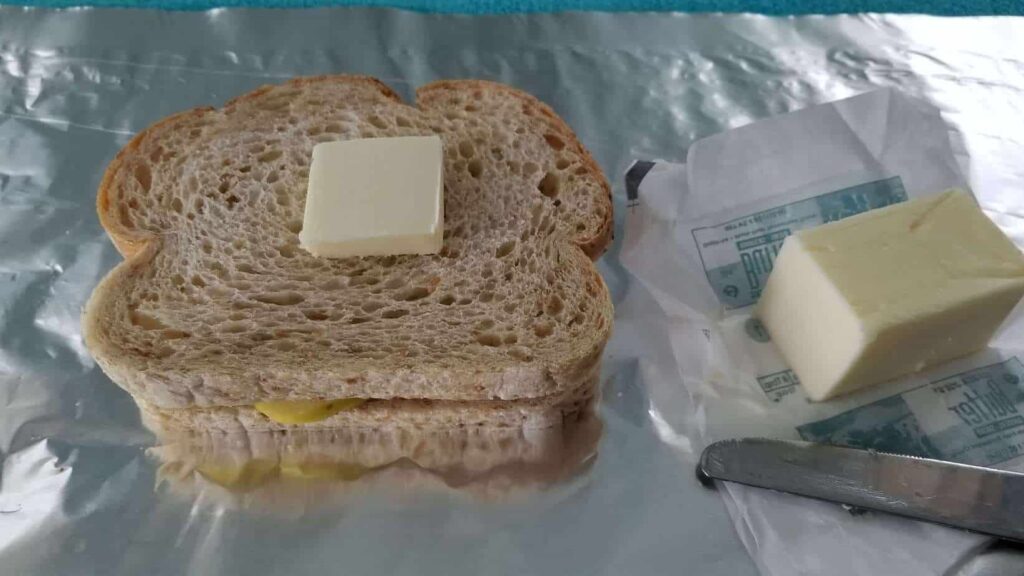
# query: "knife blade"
[[984, 500]]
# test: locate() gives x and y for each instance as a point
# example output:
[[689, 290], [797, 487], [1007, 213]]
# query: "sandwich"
[[217, 320]]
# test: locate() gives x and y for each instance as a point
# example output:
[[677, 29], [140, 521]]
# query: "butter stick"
[[890, 292]]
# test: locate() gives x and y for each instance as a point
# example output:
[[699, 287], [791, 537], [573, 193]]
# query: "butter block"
[[889, 292], [375, 197]]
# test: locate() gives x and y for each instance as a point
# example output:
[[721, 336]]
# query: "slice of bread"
[[216, 304]]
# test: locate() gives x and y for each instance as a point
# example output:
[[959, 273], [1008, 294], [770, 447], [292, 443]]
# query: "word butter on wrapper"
[[375, 197], [889, 292]]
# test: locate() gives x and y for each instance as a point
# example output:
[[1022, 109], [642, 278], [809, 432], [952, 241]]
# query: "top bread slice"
[[217, 305]]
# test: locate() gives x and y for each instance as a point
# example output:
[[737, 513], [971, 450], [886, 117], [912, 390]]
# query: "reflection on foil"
[[307, 471]]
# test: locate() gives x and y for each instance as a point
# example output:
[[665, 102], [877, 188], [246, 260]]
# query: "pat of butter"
[[890, 292], [375, 197]]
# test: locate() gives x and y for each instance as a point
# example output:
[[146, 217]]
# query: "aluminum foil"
[[78, 490]]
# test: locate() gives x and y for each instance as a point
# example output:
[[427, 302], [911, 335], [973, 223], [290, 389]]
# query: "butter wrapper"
[[702, 236]]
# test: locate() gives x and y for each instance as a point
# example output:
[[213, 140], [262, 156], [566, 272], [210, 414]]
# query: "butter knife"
[[983, 500]]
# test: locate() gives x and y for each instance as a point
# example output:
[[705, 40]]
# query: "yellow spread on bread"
[[305, 411]]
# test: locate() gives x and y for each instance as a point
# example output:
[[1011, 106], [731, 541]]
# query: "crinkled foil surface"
[[78, 492]]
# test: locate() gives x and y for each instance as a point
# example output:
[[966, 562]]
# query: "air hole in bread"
[[529, 168], [393, 313], [520, 353], [177, 205], [555, 305], [543, 328], [372, 306], [377, 121], [475, 167], [272, 177], [403, 122], [198, 281], [280, 298], [549, 185], [486, 296], [269, 156], [505, 249], [555, 142], [395, 282], [294, 226], [466, 149], [489, 339], [447, 300], [232, 200], [486, 324], [562, 163], [414, 293], [245, 169], [316, 315], [143, 176], [333, 127]]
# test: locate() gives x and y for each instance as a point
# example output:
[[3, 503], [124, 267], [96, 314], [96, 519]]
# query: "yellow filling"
[[305, 411]]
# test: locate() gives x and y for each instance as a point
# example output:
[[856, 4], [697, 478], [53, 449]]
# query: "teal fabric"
[[773, 7]]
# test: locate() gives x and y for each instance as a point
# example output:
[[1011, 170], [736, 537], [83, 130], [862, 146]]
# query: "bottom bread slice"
[[303, 471], [532, 413]]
